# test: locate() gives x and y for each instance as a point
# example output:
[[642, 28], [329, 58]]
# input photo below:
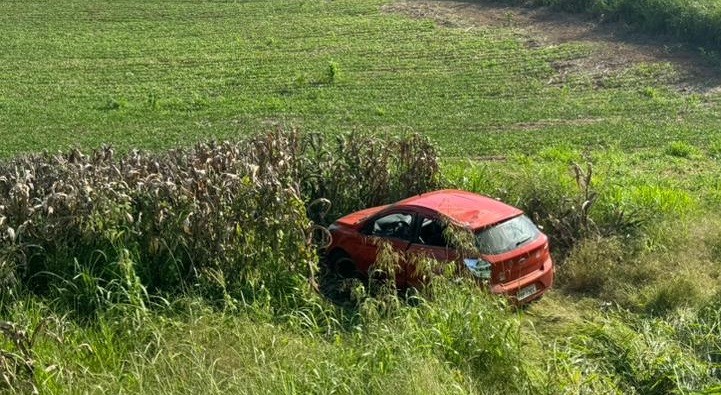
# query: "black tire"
[[341, 264]]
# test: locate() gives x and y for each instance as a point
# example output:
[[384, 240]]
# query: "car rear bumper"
[[541, 278]]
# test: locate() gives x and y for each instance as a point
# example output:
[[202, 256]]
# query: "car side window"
[[396, 225], [431, 233]]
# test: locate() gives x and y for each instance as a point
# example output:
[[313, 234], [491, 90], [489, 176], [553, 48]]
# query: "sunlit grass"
[[157, 74]]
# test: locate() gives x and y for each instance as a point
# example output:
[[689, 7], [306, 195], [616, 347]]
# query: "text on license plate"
[[526, 292]]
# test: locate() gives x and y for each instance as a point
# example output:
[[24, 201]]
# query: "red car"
[[514, 258]]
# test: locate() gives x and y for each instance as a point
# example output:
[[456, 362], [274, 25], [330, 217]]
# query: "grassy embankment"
[[636, 309]]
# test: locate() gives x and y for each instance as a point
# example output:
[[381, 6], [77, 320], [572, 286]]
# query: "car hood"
[[354, 219]]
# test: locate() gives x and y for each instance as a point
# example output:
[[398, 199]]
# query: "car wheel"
[[342, 265]]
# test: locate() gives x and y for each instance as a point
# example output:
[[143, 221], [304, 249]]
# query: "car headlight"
[[479, 268]]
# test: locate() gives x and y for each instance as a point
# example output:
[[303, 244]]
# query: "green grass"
[[697, 21], [157, 74], [461, 342], [187, 346]]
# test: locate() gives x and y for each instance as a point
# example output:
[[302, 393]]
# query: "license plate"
[[526, 292]]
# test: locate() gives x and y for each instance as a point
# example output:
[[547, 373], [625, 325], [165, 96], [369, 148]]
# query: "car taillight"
[[479, 268]]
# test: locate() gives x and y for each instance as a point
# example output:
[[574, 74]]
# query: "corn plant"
[[230, 216]]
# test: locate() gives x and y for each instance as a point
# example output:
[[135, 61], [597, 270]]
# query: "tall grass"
[[564, 198], [457, 341], [461, 341], [636, 356]]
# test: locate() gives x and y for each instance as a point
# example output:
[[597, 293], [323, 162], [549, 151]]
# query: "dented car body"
[[512, 256]]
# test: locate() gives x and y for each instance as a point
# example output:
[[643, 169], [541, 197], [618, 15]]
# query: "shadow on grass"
[[617, 44], [342, 292]]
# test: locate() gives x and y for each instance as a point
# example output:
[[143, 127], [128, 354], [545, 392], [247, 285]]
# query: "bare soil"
[[615, 46]]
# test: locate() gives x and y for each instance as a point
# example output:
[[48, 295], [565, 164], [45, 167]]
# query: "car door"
[[394, 227], [428, 241]]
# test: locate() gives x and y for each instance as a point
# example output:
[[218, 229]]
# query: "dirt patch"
[[450, 14], [615, 47]]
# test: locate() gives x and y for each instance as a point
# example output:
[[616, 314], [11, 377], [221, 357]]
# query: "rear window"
[[506, 236]]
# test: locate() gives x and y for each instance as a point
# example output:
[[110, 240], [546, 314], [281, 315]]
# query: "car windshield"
[[506, 236]]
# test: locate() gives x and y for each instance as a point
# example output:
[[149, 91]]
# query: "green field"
[[636, 304], [158, 74]]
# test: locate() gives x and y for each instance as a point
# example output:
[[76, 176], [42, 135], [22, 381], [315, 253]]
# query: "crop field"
[[170, 263], [156, 74]]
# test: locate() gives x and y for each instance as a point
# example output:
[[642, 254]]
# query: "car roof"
[[466, 208]]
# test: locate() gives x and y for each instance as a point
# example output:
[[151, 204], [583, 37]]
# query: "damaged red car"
[[513, 254]]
